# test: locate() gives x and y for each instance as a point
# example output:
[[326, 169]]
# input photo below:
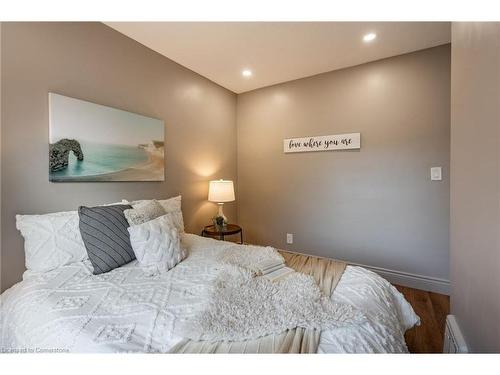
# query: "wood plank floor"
[[432, 309]]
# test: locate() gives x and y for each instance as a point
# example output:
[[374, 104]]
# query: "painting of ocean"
[[101, 159], [91, 142]]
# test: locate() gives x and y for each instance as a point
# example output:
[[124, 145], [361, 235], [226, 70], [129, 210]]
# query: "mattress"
[[129, 310]]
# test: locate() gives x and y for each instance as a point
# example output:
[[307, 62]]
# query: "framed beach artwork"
[[92, 142]]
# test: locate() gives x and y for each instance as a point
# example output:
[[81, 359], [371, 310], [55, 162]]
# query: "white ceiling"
[[279, 51]]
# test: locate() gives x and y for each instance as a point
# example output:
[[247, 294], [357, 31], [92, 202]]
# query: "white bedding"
[[126, 310]]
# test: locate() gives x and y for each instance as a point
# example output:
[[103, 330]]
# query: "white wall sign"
[[323, 143]]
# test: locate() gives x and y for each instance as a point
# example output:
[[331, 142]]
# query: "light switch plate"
[[436, 174], [289, 238]]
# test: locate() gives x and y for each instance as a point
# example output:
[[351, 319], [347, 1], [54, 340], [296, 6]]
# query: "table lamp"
[[221, 191]]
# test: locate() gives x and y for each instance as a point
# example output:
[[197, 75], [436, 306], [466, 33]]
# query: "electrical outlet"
[[289, 238], [436, 174]]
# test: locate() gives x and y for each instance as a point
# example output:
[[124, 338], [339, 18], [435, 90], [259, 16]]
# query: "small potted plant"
[[219, 222]]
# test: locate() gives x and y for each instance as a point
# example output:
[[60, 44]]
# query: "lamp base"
[[220, 220], [221, 212]]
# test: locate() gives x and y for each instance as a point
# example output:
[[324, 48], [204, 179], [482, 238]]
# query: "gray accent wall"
[[475, 183], [93, 62], [375, 206]]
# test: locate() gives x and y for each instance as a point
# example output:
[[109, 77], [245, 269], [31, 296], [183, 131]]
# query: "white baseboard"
[[411, 280]]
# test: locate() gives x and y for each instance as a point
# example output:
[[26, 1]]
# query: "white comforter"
[[126, 310]]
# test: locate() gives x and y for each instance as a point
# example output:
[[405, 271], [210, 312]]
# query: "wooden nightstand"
[[212, 231]]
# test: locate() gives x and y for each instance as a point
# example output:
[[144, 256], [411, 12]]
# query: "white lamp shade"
[[221, 191]]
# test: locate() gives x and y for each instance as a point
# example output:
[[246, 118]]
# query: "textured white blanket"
[[245, 306], [125, 310], [250, 257]]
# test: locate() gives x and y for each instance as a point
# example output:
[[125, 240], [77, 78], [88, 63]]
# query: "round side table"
[[229, 229]]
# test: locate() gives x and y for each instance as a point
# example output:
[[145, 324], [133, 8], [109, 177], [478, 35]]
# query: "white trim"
[[411, 280]]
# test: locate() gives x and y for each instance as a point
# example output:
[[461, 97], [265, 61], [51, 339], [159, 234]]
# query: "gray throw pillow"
[[105, 235], [144, 212]]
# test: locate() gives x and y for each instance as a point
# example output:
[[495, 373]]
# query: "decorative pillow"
[[104, 233], [144, 211], [172, 206], [114, 203], [177, 220], [157, 244], [51, 241]]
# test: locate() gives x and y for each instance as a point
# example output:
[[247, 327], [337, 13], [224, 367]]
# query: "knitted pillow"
[[143, 212], [157, 244], [172, 207]]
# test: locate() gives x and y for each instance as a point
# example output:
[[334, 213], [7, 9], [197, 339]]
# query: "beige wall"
[[93, 62], [475, 183], [376, 206]]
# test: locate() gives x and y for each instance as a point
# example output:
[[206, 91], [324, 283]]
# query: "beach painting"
[[92, 142]]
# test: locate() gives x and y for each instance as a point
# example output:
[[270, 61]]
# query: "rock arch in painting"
[[59, 153]]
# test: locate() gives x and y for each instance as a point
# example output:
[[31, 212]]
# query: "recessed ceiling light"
[[369, 37], [246, 73]]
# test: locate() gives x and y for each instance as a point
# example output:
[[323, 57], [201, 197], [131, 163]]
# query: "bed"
[[128, 310]]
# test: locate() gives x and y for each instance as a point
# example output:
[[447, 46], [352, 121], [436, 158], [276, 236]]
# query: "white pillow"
[[172, 207], [144, 212], [157, 244], [172, 204], [113, 204], [52, 240]]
